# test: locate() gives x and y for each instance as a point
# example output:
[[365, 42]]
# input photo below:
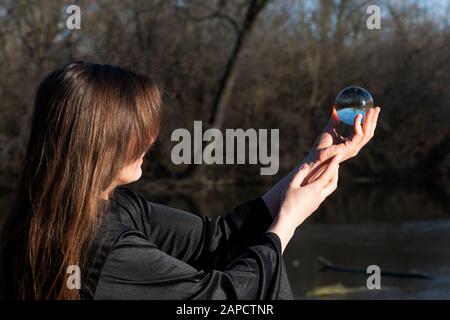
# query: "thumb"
[[300, 175]]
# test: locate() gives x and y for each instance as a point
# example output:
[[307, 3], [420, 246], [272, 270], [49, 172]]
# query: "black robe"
[[144, 250]]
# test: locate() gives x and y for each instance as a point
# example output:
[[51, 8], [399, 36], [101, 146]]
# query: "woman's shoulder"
[[124, 194], [121, 221], [124, 198], [135, 204]]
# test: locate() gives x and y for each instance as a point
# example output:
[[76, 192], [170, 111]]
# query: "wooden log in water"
[[328, 265]]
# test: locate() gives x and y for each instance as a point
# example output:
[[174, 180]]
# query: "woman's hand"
[[301, 200], [330, 143]]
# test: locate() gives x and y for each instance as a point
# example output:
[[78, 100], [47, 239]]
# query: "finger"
[[328, 152], [326, 176], [357, 125], [300, 175], [318, 167], [372, 123], [368, 121], [368, 133], [332, 185], [358, 135], [315, 172], [362, 135], [375, 120]]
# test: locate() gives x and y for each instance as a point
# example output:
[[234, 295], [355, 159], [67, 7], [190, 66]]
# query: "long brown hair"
[[89, 121]]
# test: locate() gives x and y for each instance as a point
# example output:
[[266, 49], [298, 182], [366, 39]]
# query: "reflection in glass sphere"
[[350, 102]]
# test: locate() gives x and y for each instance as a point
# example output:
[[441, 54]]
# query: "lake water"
[[400, 228]]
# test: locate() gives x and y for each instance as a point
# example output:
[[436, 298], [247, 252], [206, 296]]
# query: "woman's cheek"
[[138, 172], [131, 173]]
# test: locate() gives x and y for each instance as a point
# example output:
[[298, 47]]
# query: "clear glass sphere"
[[350, 102]]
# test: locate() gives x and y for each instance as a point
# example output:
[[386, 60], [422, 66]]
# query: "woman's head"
[[92, 125], [96, 114]]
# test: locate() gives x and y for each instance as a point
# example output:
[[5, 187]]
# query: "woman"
[[92, 126]]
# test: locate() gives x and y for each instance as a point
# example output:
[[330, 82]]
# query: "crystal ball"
[[350, 102]]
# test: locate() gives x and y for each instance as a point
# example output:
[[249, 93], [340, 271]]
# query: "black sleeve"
[[206, 242], [201, 241], [137, 269]]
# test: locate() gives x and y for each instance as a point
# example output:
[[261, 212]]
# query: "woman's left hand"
[[330, 143]]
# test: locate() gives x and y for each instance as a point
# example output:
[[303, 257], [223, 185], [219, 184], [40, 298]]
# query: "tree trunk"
[[226, 83]]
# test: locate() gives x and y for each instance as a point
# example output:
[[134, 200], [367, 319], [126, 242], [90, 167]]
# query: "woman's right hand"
[[301, 200]]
